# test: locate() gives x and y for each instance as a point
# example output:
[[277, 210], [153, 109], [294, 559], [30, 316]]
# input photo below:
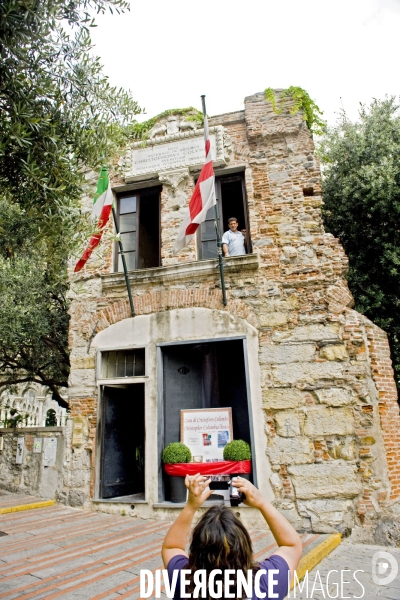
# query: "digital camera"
[[235, 496]]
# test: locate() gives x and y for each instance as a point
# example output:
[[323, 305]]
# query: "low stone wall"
[[32, 459]]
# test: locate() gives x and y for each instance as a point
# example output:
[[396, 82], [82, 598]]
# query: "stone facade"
[[325, 410]]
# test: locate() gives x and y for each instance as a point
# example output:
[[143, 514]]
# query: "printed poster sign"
[[37, 445], [206, 432], [49, 452], [20, 450]]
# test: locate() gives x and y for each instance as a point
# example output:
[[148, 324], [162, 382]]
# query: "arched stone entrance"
[[210, 341]]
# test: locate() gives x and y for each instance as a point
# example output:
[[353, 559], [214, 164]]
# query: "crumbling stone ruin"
[[324, 417]]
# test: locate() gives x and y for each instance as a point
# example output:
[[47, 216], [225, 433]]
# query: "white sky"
[[168, 53]]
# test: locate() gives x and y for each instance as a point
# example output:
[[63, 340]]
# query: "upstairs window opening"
[[139, 224], [232, 202]]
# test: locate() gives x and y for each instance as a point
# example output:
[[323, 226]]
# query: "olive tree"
[[58, 113]]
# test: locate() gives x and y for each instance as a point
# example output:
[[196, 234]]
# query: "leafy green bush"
[[237, 450], [176, 452], [361, 187], [140, 131]]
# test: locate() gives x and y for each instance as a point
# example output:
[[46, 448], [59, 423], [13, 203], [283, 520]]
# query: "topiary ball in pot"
[[237, 450], [176, 452]]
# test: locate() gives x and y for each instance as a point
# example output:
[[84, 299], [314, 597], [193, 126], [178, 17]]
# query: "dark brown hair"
[[220, 541], [233, 219]]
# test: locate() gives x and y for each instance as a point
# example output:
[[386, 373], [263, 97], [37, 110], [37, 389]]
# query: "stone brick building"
[[309, 378]]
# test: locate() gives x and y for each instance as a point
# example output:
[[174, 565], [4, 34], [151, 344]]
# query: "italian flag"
[[202, 199], [102, 205]]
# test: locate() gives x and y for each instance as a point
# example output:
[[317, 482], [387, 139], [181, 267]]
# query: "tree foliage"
[[362, 208], [58, 113]]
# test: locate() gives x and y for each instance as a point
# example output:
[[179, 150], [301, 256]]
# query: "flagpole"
[[219, 243], [121, 251]]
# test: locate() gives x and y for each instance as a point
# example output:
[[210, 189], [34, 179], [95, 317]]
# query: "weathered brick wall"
[[383, 375], [331, 415]]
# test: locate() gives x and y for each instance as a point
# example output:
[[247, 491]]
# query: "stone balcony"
[[180, 272]]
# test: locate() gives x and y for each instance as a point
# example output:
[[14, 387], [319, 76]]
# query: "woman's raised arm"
[[178, 534], [287, 538]]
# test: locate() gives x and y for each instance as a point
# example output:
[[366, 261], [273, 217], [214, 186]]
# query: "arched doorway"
[[51, 418]]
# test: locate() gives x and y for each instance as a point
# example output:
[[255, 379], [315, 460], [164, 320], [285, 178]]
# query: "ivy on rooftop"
[[312, 114], [140, 131]]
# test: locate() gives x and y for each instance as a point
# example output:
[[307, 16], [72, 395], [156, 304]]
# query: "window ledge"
[[32, 429], [118, 501], [206, 504], [121, 380], [181, 271]]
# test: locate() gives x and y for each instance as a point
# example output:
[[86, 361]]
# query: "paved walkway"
[[16, 502], [9, 500], [61, 552], [352, 557]]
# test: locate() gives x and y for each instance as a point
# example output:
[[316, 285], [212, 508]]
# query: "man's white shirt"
[[235, 242]]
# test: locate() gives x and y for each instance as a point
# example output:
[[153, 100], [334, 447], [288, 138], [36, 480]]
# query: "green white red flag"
[[102, 205]]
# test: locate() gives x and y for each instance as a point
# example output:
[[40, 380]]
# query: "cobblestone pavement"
[[352, 557], [61, 552]]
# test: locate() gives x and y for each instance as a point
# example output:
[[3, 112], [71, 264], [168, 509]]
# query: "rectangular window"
[[139, 224], [122, 363], [231, 200]]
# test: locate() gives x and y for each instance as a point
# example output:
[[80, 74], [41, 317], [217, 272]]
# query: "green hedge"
[[176, 452], [237, 450]]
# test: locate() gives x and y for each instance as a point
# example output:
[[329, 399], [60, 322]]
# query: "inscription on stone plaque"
[[78, 429], [161, 157], [171, 152]]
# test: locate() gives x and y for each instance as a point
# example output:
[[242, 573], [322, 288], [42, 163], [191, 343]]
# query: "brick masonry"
[[329, 397]]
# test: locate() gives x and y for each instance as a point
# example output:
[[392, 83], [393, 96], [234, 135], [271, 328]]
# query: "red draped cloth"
[[225, 467]]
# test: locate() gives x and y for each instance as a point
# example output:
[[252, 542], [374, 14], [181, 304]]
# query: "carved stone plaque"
[[171, 152], [78, 431], [162, 157]]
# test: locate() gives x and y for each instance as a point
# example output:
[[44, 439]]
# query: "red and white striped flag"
[[202, 199]]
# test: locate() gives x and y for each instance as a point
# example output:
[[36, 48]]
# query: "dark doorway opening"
[[231, 200], [123, 442], [204, 375]]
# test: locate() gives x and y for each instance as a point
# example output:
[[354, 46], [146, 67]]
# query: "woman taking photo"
[[220, 541]]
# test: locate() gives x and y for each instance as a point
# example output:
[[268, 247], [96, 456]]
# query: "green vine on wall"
[[140, 131], [312, 114]]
